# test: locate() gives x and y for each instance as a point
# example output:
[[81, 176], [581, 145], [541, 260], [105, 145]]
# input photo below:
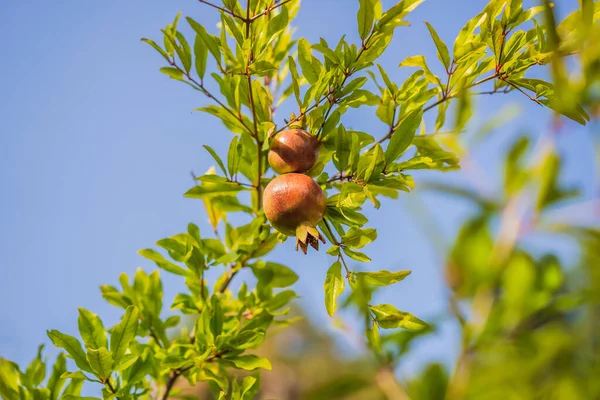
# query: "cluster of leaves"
[[259, 67]]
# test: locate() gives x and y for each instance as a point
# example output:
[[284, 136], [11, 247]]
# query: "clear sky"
[[96, 149]]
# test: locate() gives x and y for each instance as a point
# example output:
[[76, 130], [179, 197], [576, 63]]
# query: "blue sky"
[[96, 149]]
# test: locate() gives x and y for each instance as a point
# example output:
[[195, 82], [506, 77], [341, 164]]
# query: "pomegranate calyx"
[[308, 235]]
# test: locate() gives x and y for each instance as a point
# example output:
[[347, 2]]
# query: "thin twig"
[[269, 9], [432, 106], [200, 86], [223, 10], [155, 337], [110, 386], [339, 177], [172, 379], [522, 91]]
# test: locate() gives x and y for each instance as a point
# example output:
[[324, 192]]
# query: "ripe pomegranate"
[[293, 150], [295, 204]]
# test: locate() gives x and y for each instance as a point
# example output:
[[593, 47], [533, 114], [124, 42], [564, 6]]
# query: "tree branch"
[[522, 91], [432, 106], [223, 10], [200, 86], [269, 9]]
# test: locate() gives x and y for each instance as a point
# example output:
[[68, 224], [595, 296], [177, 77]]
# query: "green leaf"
[[72, 346], [210, 42], [123, 333], [56, 382], [9, 380], [101, 362], [216, 157], [162, 262], [157, 48], [74, 375], [273, 274], [295, 80], [374, 338], [173, 73], [346, 216], [142, 367], [357, 238], [305, 58], [247, 339], [365, 17], [213, 189], [216, 319], [442, 49], [420, 61], [278, 23], [388, 83], [262, 68], [397, 12], [126, 362], [250, 386], [91, 329], [74, 397], [73, 388], [201, 56], [36, 370], [403, 135], [174, 362], [389, 317], [185, 54], [370, 166], [356, 255], [464, 36], [343, 142], [251, 362], [226, 20], [334, 287], [382, 278]]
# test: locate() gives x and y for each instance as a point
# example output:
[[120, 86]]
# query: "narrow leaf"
[[123, 333], [334, 287], [403, 136], [91, 329], [72, 346], [442, 49]]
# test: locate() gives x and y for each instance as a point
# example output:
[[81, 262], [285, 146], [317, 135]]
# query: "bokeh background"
[[96, 150]]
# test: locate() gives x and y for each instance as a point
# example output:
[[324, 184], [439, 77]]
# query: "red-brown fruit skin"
[[292, 200], [293, 150]]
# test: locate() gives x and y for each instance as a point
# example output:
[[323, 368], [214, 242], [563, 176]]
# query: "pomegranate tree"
[[250, 67]]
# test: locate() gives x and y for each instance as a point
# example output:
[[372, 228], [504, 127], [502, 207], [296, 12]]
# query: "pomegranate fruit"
[[295, 204], [293, 150]]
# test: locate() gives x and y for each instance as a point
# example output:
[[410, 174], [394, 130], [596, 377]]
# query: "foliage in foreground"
[[258, 66]]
